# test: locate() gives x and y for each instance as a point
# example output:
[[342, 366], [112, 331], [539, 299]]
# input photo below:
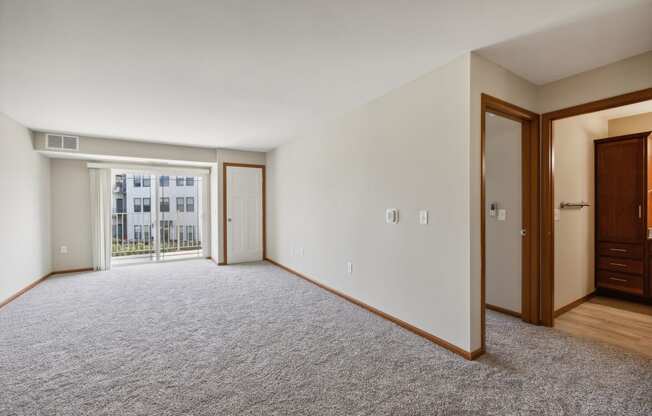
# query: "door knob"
[[523, 232]]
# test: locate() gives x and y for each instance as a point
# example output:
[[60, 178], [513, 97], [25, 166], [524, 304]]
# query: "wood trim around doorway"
[[531, 218], [224, 204], [548, 191]]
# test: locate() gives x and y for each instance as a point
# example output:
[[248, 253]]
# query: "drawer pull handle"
[[620, 250], [617, 279], [618, 264]]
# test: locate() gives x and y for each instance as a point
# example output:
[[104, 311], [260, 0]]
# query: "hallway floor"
[[618, 322]]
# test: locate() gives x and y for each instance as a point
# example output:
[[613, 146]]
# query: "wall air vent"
[[61, 142]]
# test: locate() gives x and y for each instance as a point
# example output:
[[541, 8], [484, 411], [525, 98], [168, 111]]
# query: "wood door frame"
[[530, 172], [225, 165], [548, 191]]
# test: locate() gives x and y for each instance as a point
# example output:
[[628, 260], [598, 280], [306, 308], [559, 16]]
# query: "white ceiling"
[[243, 74], [573, 47], [624, 111]]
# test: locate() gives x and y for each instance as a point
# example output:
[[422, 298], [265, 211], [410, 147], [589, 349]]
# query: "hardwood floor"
[[618, 322]]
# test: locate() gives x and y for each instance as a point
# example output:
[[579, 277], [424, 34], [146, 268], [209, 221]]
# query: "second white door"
[[244, 214]]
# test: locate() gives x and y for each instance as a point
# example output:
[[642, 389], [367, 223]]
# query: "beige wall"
[[70, 189], [98, 147], [488, 78], [631, 124], [231, 156], [621, 77], [25, 211], [503, 238], [574, 182], [71, 225], [328, 191]]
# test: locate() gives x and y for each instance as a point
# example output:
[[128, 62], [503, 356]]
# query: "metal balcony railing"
[[129, 242]]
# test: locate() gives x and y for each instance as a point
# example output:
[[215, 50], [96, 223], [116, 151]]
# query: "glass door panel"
[[132, 217], [179, 222]]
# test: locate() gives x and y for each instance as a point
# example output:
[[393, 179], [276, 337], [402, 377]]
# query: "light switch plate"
[[557, 214], [423, 217], [502, 214], [349, 267], [391, 216], [64, 249]]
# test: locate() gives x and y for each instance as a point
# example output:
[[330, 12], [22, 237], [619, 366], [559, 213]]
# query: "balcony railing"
[[126, 243]]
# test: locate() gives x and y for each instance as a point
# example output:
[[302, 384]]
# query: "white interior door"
[[244, 213]]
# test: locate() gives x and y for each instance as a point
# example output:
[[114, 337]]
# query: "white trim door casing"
[[244, 211]]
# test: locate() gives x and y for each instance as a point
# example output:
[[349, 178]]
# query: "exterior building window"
[[179, 180], [164, 180], [120, 184], [190, 204], [137, 205], [190, 181], [147, 181], [190, 233], [146, 232], [166, 229], [180, 207], [165, 204], [137, 181], [147, 205], [119, 205], [181, 233], [138, 233]]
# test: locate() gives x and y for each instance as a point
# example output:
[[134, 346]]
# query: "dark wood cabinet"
[[621, 214], [620, 175]]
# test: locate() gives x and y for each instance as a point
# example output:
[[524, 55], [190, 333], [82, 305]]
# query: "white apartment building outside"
[[179, 203]]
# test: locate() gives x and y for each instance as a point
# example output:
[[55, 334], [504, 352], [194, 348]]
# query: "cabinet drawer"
[[620, 265], [618, 281], [632, 251]]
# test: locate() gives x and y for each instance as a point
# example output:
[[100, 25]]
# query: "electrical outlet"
[[63, 250], [349, 267]]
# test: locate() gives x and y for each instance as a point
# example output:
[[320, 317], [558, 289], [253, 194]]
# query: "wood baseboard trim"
[[574, 304], [214, 260], [23, 290], [432, 338], [33, 284], [84, 269], [503, 310]]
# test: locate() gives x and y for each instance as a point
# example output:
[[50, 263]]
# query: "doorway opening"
[[598, 279], [553, 142], [157, 216], [509, 211]]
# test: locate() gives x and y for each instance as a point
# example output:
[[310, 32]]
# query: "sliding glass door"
[[180, 213], [132, 216], [156, 216]]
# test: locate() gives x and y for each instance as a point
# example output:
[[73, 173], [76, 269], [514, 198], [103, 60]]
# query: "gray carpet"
[[189, 338]]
